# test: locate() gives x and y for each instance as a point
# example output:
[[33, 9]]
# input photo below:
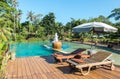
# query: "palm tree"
[[115, 14], [14, 4], [36, 22], [18, 17], [31, 18]]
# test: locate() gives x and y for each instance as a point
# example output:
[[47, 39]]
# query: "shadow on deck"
[[67, 70]]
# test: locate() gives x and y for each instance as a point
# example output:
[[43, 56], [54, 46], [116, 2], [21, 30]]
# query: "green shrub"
[[1, 45], [3, 66]]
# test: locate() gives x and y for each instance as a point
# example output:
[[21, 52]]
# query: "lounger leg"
[[72, 67], [85, 73], [109, 65], [61, 61], [112, 66]]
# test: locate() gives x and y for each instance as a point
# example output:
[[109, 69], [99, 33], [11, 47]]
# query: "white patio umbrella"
[[94, 26], [98, 27]]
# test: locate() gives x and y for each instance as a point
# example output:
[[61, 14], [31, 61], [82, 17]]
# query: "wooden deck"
[[43, 68]]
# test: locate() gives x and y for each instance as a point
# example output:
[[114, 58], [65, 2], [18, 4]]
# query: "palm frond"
[[117, 18], [112, 15]]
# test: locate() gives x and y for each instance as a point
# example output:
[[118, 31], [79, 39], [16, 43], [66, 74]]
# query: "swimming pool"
[[33, 48], [37, 48]]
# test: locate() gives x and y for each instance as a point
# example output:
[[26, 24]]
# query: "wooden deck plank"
[[15, 73], [39, 68], [24, 75], [54, 72], [9, 69], [41, 65], [36, 68], [51, 71], [112, 74], [17, 70], [31, 68], [95, 74], [23, 67], [47, 70], [12, 69]]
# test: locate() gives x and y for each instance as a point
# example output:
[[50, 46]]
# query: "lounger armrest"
[[72, 62]]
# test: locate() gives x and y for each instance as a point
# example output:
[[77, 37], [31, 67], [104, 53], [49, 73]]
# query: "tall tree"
[[70, 25], [31, 18], [48, 22], [59, 29], [18, 18], [115, 14], [14, 4], [25, 29], [36, 22], [6, 18], [100, 18]]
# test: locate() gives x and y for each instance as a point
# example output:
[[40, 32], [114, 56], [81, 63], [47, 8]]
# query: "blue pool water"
[[33, 49]]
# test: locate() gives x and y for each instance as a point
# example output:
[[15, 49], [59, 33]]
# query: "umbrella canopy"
[[94, 26]]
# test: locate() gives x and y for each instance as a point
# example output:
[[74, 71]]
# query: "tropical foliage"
[[39, 26], [42, 27]]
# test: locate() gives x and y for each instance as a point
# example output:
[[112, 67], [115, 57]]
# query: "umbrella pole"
[[94, 42], [92, 39]]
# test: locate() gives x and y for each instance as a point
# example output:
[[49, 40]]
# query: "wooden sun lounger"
[[60, 57], [98, 59]]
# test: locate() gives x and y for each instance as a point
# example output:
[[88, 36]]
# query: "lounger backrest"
[[79, 50], [100, 56]]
